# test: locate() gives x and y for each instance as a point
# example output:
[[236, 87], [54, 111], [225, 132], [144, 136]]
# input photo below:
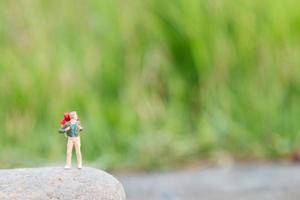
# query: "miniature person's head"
[[73, 115]]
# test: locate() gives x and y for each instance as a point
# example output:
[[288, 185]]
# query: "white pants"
[[73, 141]]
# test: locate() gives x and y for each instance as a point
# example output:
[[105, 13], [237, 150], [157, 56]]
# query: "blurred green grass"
[[156, 83]]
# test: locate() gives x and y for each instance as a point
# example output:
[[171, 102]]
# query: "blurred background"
[[157, 84]]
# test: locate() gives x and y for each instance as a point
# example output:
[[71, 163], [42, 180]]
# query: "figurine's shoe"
[[79, 166], [67, 167]]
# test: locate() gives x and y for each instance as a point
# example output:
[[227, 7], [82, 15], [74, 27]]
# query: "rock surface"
[[271, 181], [58, 183]]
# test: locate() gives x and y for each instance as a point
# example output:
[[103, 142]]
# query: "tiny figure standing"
[[71, 126]]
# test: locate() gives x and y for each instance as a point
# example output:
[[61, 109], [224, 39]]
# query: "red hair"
[[67, 117]]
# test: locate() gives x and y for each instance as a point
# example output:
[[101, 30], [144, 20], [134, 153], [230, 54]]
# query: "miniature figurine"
[[70, 125]]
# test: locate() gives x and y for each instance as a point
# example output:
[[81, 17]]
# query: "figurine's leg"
[[69, 152], [78, 152]]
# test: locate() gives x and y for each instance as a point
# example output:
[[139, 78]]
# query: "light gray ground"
[[58, 183], [244, 182]]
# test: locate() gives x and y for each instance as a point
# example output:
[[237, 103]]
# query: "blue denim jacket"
[[72, 128]]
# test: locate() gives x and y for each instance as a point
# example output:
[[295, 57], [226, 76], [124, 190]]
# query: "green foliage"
[[155, 83]]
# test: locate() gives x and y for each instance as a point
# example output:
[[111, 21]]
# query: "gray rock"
[[58, 183]]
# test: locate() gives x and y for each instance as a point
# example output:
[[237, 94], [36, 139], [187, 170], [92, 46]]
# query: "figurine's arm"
[[80, 128], [61, 130], [64, 129]]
